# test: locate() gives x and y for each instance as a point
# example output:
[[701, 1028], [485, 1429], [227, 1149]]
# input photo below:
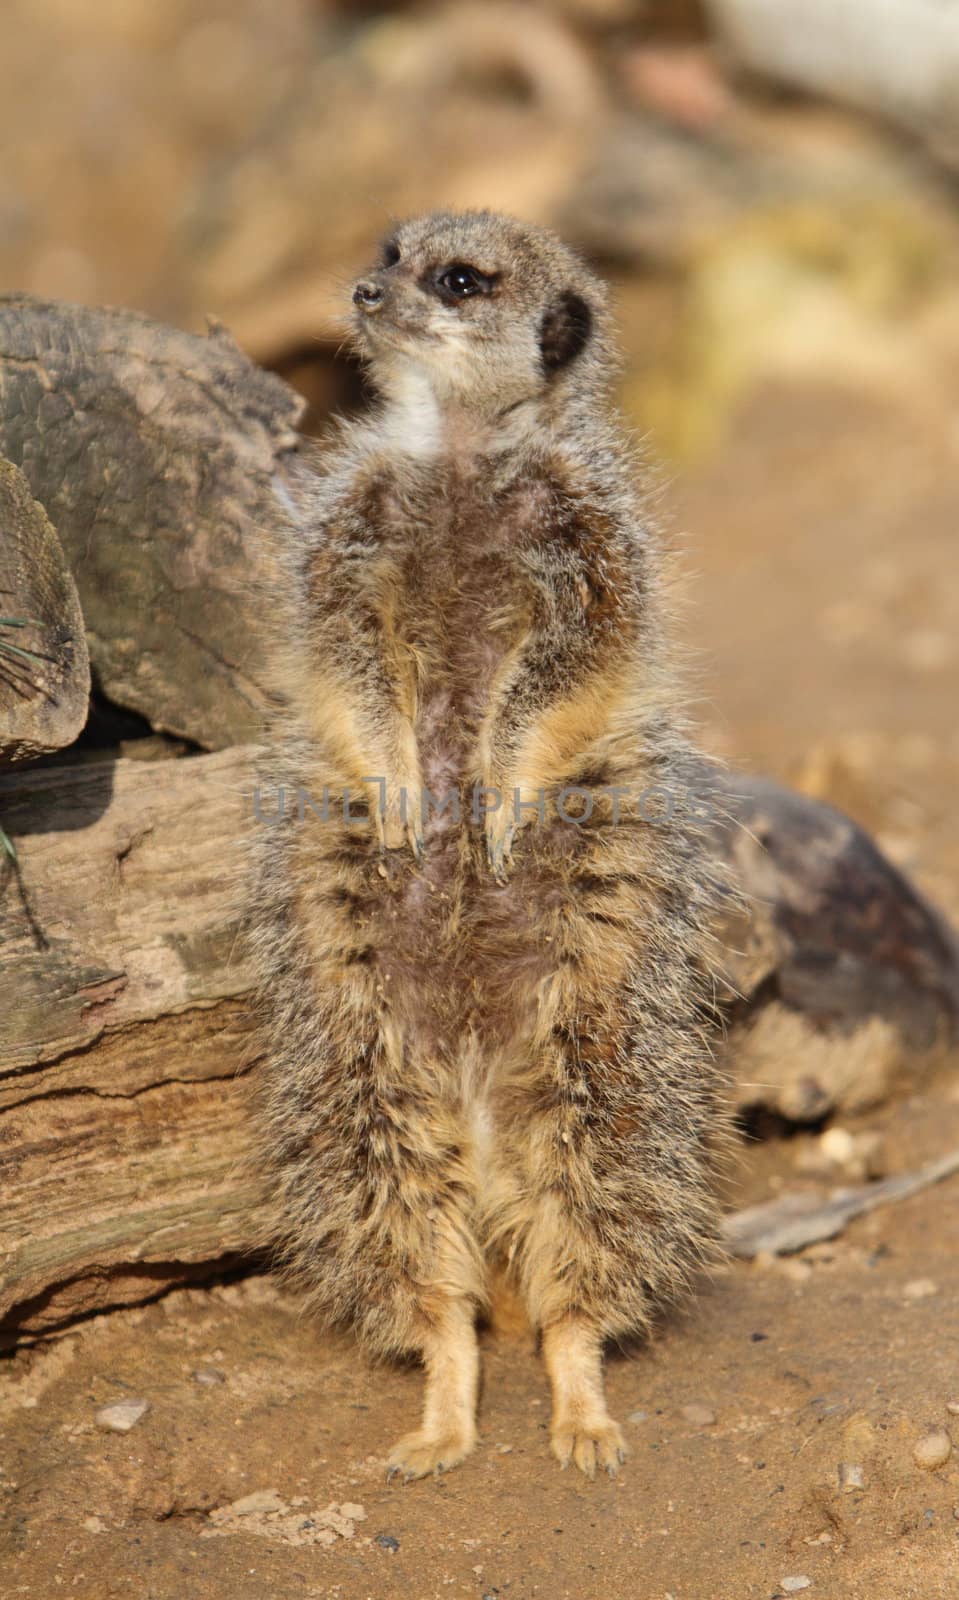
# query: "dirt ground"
[[821, 542]]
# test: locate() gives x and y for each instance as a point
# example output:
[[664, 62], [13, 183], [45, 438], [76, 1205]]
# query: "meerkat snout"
[[368, 295]]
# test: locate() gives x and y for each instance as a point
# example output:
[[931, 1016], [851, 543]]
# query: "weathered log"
[[125, 1039], [155, 455], [126, 1045], [44, 667]]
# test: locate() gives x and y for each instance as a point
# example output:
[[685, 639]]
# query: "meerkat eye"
[[459, 281], [391, 253]]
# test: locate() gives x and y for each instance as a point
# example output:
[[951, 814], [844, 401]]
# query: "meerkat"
[[485, 1018]]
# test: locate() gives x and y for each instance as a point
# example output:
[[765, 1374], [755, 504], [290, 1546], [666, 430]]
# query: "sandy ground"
[[820, 531]]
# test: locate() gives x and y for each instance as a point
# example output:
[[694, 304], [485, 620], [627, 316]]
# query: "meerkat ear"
[[564, 330]]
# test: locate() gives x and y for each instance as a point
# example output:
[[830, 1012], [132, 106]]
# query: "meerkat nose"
[[367, 294]]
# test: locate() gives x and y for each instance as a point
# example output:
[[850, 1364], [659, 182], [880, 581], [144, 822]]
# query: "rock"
[[850, 1477], [699, 1415], [793, 1585], [897, 59], [919, 1289], [122, 1416], [952, 1406], [637, 1416], [837, 1145], [208, 1377], [386, 1541], [933, 1450]]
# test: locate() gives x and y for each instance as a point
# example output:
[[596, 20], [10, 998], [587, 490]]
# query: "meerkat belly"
[[454, 961]]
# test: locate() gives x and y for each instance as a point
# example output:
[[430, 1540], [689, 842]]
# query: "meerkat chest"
[[467, 604]]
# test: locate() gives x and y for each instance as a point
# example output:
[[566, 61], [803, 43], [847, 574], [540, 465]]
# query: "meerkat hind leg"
[[581, 1429], [448, 1430]]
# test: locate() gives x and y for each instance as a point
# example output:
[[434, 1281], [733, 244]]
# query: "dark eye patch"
[[458, 281], [564, 331], [391, 253]]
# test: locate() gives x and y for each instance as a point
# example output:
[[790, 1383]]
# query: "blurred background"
[[772, 191]]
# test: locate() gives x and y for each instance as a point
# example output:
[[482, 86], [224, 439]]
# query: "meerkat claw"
[[499, 853], [422, 1454], [588, 1446]]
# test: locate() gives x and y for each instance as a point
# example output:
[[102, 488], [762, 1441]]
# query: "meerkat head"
[[481, 313]]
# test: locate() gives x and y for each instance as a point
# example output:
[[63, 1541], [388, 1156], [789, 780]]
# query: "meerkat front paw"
[[399, 820], [500, 830], [589, 1443], [421, 1453]]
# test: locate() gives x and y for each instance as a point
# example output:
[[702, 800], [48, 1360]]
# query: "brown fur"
[[486, 1038]]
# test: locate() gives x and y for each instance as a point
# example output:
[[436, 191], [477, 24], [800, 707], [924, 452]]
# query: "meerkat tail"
[[448, 1430], [581, 1429]]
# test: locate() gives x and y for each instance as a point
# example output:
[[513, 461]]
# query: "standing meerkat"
[[483, 970]]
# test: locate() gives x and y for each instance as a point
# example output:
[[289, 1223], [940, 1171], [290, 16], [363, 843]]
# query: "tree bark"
[[44, 666], [125, 1043]]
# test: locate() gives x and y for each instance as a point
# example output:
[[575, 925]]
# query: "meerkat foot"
[[581, 1431], [448, 1431], [588, 1442], [420, 1454]]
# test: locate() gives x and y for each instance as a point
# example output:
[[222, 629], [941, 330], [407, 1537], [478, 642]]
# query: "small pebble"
[[122, 1416], [850, 1476], [793, 1585], [952, 1406], [699, 1415], [856, 1156], [919, 1289], [837, 1144], [208, 1376], [94, 1525], [933, 1450], [386, 1541], [638, 1416]]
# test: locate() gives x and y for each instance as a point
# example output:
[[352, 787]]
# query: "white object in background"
[[898, 57]]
